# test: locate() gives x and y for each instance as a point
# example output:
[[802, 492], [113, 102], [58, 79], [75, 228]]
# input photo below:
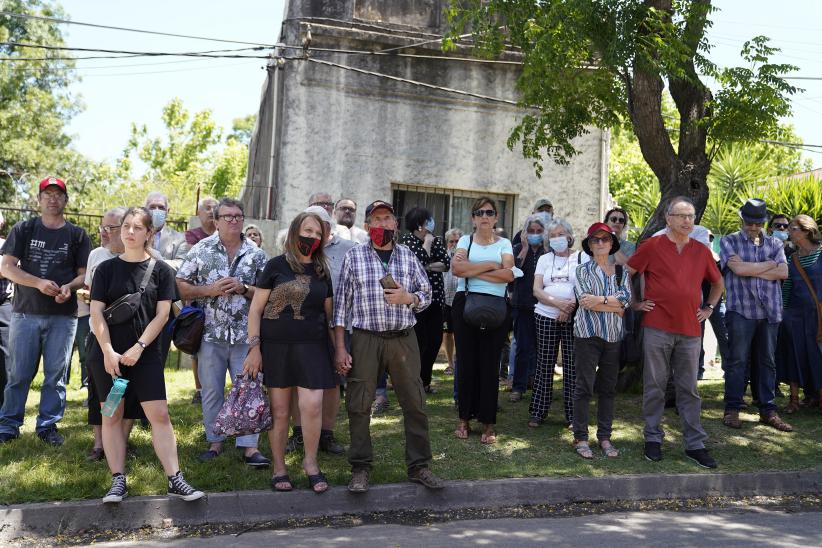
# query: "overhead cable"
[[209, 53]]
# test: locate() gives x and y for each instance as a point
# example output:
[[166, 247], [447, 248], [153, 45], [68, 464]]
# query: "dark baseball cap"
[[53, 181], [376, 205]]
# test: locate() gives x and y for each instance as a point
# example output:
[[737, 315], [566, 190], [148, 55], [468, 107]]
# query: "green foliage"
[[794, 196], [242, 128]]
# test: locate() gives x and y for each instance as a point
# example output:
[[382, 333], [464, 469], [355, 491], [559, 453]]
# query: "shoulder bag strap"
[[147, 275], [468, 258], [804, 275], [234, 266]]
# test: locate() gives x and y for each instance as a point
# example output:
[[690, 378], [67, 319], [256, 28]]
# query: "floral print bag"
[[246, 409]]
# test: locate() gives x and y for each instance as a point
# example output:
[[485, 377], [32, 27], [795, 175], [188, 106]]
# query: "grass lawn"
[[31, 471]]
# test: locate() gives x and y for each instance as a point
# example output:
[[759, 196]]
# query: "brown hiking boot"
[[772, 419], [359, 481], [731, 419]]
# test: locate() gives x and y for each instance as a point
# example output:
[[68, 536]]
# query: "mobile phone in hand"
[[387, 282]]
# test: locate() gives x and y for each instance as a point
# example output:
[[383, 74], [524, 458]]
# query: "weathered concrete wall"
[[354, 135]]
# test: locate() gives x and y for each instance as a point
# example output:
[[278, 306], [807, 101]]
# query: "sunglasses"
[[619, 220], [486, 212], [780, 226], [596, 240], [232, 218]]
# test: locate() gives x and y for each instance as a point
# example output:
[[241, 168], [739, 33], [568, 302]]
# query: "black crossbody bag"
[[123, 309], [481, 310]]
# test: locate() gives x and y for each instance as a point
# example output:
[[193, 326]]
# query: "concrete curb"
[[250, 507]]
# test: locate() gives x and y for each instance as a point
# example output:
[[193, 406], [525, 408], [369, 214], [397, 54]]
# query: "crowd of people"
[[339, 308]]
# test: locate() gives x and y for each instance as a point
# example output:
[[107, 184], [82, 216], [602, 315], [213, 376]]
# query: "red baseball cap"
[[53, 181], [600, 227]]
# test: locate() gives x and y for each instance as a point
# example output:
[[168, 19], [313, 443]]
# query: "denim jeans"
[[32, 336], [80, 344], [746, 336], [525, 361], [5, 361], [214, 360]]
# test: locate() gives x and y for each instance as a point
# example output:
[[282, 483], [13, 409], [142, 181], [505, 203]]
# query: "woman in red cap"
[[603, 292]]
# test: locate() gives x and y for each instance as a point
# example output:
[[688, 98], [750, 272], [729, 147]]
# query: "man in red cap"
[[46, 258]]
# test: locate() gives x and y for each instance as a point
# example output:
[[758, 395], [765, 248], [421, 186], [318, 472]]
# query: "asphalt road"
[[726, 528]]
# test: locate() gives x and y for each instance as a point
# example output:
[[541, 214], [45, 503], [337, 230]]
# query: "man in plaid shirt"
[[382, 284]]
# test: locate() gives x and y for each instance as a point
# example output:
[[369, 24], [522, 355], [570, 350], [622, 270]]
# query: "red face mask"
[[307, 245], [380, 236]]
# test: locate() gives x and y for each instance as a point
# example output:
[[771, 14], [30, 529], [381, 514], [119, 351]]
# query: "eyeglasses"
[[324, 205], [780, 226], [348, 209], [486, 212], [108, 229], [683, 216], [232, 218], [596, 240], [455, 242], [797, 228], [619, 220]]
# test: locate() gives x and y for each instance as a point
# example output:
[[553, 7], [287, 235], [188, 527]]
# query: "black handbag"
[[123, 309], [481, 310]]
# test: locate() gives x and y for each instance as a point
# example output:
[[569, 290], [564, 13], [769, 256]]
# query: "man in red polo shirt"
[[673, 266]]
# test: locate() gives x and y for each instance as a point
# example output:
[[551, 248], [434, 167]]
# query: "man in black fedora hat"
[[753, 264]]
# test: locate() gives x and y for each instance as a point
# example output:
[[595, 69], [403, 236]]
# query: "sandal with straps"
[[277, 480], [792, 407], [608, 449], [583, 449], [462, 430], [316, 481]]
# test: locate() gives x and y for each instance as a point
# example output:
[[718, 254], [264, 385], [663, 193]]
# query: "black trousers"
[[478, 354], [429, 338]]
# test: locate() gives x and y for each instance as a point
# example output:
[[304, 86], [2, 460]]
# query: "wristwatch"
[[245, 289], [709, 305], [606, 300], [142, 344]]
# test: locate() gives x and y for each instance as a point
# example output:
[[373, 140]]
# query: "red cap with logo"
[[53, 181]]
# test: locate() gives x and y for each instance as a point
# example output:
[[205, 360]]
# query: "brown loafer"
[[772, 419], [426, 477], [731, 419]]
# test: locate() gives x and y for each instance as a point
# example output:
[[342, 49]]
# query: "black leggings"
[[429, 338], [478, 355]]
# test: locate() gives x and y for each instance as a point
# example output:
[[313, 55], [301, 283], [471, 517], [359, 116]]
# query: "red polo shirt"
[[673, 281]]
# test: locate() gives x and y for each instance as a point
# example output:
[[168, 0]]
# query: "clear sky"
[[119, 92]]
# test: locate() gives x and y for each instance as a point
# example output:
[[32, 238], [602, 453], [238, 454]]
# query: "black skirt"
[[146, 379], [298, 364]]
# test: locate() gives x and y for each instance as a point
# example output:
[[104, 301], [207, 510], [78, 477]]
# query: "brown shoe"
[[359, 481], [515, 396], [731, 419], [426, 477], [772, 419]]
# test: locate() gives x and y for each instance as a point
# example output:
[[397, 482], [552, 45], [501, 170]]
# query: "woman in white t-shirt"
[[554, 280]]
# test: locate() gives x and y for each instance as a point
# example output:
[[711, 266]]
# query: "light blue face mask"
[[559, 244], [781, 234], [430, 225], [158, 218], [534, 239]]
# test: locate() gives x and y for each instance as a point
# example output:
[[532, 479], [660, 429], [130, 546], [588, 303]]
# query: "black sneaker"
[[653, 451], [701, 457], [6, 437], [178, 487], [197, 399], [295, 443], [329, 444], [118, 489], [51, 436]]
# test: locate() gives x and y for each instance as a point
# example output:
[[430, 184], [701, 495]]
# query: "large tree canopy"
[[607, 62]]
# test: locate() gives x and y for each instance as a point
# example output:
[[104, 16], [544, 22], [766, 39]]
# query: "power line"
[[210, 53], [127, 29]]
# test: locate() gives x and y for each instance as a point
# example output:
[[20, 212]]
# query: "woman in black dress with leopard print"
[[290, 342]]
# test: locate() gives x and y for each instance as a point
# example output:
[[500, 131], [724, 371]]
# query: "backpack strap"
[[27, 230]]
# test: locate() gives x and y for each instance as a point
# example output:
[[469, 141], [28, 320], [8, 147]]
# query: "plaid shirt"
[[749, 296], [360, 291]]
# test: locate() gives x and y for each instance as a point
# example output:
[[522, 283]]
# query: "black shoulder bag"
[[123, 309], [481, 310]]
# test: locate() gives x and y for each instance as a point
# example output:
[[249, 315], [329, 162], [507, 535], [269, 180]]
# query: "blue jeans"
[[213, 361], [32, 336], [525, 363], [745, 336], [80, 343]]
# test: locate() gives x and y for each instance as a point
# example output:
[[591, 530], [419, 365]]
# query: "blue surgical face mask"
[[158, 218], [429, 225], [534, 239], [781, 234], [559, 244]]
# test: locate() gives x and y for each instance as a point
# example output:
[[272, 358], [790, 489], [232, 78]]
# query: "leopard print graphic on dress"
[[291, 294]]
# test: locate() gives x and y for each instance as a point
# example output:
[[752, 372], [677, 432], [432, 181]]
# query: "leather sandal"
[[731, 419], [318, 483], [608, 449], [462, 430], [792, 407], [278, 480], [774, 421], [583, 449]]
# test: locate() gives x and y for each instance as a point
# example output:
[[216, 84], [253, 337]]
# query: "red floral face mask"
[[380, 236]]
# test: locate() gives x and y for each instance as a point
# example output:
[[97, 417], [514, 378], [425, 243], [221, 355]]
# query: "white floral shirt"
[[226, 316]]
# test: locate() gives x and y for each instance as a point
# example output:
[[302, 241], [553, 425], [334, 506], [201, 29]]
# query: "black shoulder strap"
[[468, 258], [27, 231], [618, 268], [147, 275]]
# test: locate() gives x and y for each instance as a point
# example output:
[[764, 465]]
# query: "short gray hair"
[[156, 194], [313, 197], [229, 202], [453, 232], [542, 219], [678, 200], [117, 212], [202, 201], [555, 222]]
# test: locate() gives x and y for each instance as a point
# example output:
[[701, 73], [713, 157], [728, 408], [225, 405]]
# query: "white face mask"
[[559, 244]]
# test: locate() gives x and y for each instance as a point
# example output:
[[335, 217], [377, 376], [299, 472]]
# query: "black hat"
[[376, 205], [600, 227], [754, 211]]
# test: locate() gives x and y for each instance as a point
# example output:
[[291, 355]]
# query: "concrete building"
[[404, 124]]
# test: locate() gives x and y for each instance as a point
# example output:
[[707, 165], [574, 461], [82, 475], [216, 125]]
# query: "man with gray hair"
[[167, 241], [673, 266]]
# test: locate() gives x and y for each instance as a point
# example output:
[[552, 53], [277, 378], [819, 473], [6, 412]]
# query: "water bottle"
[[114, 397]]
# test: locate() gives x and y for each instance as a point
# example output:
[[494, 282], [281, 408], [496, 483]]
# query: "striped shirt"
[[787, 285], [360, 292], [591, 280], [749, 296]]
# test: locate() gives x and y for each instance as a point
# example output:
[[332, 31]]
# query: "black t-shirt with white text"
[[53, 254]]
